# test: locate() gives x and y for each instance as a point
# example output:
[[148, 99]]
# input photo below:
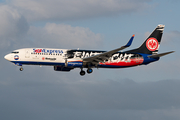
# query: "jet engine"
[[62, 68]]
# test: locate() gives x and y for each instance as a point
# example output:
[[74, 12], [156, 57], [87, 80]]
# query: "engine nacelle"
[[73, 63], [61, 68]]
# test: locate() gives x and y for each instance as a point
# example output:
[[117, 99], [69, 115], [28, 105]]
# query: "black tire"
[[21, 69], [82, 73], [89, 70]]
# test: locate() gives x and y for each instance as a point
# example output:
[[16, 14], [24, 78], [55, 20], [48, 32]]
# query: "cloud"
[[58, 90], [13, 26], [64, 36], [43, 93], [15, 33], [172, 36], [68, 10]]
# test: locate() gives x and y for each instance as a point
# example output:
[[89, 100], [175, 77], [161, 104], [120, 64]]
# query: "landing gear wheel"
[[21, 69], [89, 70], [82, 72]]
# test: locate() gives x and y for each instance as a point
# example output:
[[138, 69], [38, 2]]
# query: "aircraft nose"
[[7, 57]]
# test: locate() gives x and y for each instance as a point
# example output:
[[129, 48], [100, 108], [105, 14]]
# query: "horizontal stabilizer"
[[160, 55]]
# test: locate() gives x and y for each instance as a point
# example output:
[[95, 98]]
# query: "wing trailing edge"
[[103, 56]]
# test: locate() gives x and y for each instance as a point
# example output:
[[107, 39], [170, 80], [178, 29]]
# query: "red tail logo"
[[152, 44]]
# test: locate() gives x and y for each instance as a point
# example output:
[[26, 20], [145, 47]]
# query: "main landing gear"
[[89, 70], [82, 72]]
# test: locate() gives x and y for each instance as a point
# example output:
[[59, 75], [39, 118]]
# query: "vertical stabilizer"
[[152, 43]]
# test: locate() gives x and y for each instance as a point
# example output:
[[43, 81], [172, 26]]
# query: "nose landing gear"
[[21, 68]]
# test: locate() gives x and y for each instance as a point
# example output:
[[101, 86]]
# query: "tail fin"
[[152, 43]]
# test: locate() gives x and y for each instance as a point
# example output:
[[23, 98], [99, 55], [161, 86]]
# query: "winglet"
[[129, 42]]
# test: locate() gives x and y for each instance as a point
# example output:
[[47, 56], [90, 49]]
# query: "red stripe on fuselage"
[[132, 62]]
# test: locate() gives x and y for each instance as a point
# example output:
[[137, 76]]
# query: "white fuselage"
[[38, 56]]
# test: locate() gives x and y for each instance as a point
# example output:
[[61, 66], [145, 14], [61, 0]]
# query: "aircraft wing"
[[104, 56]]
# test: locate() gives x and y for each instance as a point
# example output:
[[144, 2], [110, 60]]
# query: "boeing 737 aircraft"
[[68, 59]]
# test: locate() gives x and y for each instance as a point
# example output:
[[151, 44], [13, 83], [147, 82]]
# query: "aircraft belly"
[[38, 63]]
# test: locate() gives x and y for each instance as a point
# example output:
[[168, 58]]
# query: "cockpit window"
[[15, 52]]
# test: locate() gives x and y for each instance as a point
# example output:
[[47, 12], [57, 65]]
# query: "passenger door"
[[27, 53]]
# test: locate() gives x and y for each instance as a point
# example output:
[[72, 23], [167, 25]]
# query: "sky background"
[[40, 93]]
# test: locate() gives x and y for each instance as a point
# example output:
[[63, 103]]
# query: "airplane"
[[68, 59]]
